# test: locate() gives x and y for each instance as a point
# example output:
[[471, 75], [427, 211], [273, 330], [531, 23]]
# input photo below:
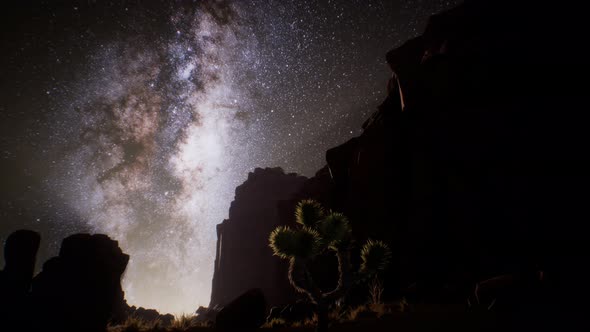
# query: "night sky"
[[139, 118]]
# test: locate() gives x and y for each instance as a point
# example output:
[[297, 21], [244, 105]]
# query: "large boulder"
[[247, 312], [80, 289]]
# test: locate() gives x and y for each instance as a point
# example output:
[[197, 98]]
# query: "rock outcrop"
[[244, 259], [80, 290], [20, 253]]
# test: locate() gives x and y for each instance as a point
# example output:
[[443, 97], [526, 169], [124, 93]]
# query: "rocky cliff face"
[[477, 154], [244, 260], [474, 166]]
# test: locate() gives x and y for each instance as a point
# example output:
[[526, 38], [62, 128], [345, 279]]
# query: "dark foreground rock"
[[247, 312], [20, 252], [80, 289]]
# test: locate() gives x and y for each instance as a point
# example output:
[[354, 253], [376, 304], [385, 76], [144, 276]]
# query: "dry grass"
[[183, 323], [375, 310], [355, 313], [275, 323], [337, 316], [375, 291], [379, 309], [134, 324]]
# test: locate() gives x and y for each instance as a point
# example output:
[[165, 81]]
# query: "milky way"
[[143, 129], [163, 146]]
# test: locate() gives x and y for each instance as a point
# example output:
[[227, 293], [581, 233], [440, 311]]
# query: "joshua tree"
[[320, 231]]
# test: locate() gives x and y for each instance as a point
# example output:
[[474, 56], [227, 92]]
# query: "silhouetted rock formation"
[[476, 164], [244, 260], [80, 289], [20, 253], [148, 315], [247, 312]]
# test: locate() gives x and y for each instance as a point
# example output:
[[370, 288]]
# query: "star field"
[[139, 118]]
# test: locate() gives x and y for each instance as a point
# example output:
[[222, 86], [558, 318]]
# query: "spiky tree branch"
[[300, 279], [344, 277]]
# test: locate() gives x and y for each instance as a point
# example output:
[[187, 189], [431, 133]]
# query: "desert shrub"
[[354, 313], [321, 231], [131, 324], [275, 323], [375, 291], [182, 323]]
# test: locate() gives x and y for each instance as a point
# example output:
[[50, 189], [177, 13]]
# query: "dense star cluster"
[[139, 118]]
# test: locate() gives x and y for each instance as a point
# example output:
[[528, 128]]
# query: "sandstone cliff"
[[243, 259], [474, 166]]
